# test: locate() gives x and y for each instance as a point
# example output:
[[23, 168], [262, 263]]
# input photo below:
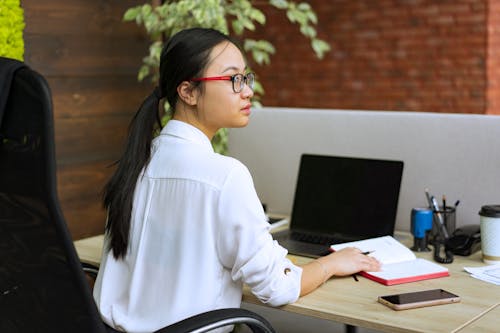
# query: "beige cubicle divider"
[[451, 154]]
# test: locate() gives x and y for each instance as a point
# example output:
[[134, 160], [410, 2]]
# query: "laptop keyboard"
[[315, 239]]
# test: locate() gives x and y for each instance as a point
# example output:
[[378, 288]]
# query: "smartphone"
[[418, 299]]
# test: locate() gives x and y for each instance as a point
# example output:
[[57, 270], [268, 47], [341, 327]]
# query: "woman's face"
[[218, 106]]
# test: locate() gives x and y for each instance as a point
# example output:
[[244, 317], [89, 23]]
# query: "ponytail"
[[184, 56], [118, 193]]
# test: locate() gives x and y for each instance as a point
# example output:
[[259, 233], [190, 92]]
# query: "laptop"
[[341, 199]]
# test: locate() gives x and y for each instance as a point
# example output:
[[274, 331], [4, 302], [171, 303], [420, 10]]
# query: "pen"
[[427, 195], [439, 217], [444, 212]]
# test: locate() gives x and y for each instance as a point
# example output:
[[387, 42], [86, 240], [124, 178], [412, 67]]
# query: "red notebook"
[[399, 263]]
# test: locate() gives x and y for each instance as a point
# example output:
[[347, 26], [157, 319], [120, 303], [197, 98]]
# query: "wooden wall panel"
[[73, 17], [84, 56], [90, 58], [94, 96], [80, 101], [79, 37], [80, 186], [89, 139]]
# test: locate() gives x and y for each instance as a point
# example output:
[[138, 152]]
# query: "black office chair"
[[42, 284]]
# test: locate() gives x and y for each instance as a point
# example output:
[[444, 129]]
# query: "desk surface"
[[489, 322], [347, 301]]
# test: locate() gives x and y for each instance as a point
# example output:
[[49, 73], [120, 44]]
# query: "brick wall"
[[493, 58], [411, 55]]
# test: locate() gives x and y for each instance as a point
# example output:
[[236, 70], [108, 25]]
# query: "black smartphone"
[[418, 299]]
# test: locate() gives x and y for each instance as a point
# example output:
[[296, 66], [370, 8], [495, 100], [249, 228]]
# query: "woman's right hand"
[[347, 261]]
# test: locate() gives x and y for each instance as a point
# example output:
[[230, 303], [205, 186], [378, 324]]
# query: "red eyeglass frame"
[[214, 78]]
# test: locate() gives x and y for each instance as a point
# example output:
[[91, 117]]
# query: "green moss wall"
[[11, 29]]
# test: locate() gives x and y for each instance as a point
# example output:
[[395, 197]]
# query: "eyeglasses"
[[238, 80]]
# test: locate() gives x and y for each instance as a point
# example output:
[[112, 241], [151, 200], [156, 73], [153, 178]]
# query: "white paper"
[[490, 273]]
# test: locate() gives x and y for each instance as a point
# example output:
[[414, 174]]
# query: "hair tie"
[[156, 93]]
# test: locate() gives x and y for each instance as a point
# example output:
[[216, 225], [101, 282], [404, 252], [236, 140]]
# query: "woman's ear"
[[187, 93]]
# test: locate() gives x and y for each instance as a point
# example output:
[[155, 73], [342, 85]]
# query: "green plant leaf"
[[291, 16], [220, 141], [258, 88], [143, 72], [248, 24], [320, 47], [304, 6], [280, 4], [263, 45], [238, 27], [146, 9], [312, 17], [260, 57], [131, 13], [308, 31], [258, 16]]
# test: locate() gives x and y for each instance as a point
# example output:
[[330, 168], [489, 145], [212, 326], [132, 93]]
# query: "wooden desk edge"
[[90, 250], [477, 318]]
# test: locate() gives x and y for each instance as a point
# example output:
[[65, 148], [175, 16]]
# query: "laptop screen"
[[347, 198]]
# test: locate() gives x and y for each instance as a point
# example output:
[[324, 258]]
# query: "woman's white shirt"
[[198, 232]]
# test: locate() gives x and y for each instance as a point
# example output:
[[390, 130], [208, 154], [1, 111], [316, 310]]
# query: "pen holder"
[[448, 216]]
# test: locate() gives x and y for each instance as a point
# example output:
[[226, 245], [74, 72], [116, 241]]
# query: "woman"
[[185, 227]]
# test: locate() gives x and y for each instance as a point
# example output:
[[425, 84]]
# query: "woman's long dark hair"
[[183, 57]]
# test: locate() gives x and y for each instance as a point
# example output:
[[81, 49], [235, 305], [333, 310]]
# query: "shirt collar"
[[186, 131]]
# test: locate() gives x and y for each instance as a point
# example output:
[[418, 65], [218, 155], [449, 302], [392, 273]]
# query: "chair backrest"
[[42, 284]]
